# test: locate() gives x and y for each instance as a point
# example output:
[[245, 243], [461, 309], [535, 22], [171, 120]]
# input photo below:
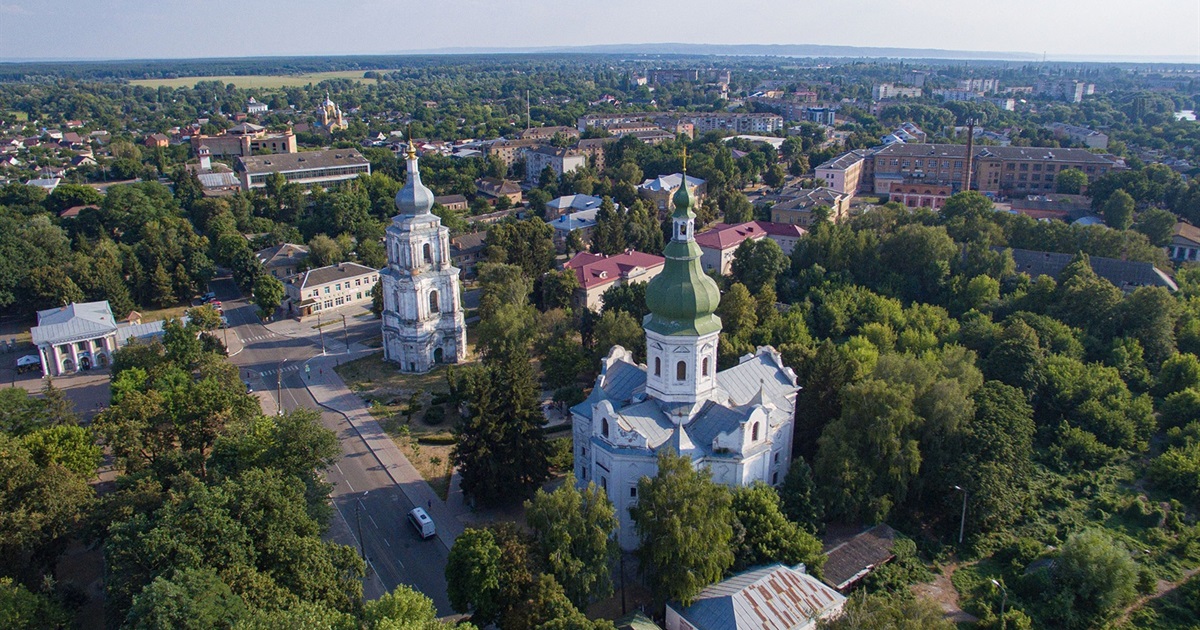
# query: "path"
[[942, 591], [1162, 589]]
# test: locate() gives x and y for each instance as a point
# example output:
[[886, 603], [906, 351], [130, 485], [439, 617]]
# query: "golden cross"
[[684, 159]]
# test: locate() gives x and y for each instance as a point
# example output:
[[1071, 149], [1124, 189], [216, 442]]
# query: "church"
[[737, 423], [422, 313]]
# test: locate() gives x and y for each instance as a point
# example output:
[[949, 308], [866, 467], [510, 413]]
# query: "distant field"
[[267, 81]]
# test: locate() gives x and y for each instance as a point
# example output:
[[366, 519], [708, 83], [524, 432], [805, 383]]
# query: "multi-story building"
[[308, 169], [570, 203], [1066, 90], [556, 159], [255, 108], [547, 133], [719, 242], [801, 208], [659, 190], [509, 150], [246, 139], [597, 273], [1185, 243], [582, 222], [1090, 138], [883, 91], [423, 323], [593, 148], [701, 122], [847, 173], [328, 288], [736, 423], [979, 85]]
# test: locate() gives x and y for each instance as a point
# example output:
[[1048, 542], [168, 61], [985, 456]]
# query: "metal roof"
[[73, 322], [774, 597]]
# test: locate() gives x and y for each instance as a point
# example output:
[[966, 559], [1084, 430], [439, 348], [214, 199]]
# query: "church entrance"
[[437, 355], [85, 362]]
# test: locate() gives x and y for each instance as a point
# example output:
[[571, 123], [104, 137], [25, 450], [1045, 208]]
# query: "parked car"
[[208, 297], [422, 523]]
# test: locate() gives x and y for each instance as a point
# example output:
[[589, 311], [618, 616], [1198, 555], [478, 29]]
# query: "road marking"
[[372, 520], [389, 545], [339, 469], [351, 488]]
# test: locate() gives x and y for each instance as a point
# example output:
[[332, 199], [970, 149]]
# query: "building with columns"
[[83, 336], [422, 309], [737, 423]]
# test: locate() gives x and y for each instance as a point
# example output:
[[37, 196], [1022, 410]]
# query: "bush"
[[435, 415]]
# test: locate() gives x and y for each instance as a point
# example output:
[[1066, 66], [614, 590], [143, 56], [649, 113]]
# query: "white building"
[[253, 107], [422, 309], [82, 336], [328, 288], [737, 423]]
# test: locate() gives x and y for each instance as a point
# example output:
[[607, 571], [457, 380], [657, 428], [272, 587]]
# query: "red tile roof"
[[593, 270], [724, 236]]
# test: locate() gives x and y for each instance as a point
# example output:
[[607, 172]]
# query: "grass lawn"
[[260, 81], [163, 313]]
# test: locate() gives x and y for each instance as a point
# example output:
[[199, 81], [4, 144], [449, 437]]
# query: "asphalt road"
[[371, 508]]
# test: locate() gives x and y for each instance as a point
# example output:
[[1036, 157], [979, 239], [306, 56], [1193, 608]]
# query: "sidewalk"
[[331, 392]]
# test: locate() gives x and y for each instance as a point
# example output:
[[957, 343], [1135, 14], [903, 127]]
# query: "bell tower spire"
[[682, 329]]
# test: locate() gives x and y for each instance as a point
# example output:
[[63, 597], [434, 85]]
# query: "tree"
[[798, 497], [573, 537], [51, 287], [618, 328], [1093, 578], [204, 317], [558, 289], [190, 599], [737, 311], [775, 176], [324, 251], [473, 576], [1158, 225], [402, 609], [1070, 181], [1118, 210], [268, 294], [683, 519], [764, 535], [377, 300], [72, 447], [20, 608], [757, 263], [500, 451], [626, 296]]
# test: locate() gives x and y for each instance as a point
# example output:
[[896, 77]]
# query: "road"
[[366, 498]]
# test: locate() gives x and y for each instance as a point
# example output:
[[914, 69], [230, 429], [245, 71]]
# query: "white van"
[[422, 523]]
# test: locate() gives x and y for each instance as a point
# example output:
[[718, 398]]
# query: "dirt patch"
[[942, 591]]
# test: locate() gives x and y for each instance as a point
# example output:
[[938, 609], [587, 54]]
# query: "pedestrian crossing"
[[286, 369], [269, 335]]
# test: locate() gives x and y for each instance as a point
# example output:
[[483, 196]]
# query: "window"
[[776, 457], [326, 290], [358, 296], [633, 492], [315, 293], [680, 371], [604, 427], [604, 483], [427, 252], [704, 367], [337, 287], [328, 303], [358, 282], [754, 432], [657, 366], [682, 229], [433, 302]]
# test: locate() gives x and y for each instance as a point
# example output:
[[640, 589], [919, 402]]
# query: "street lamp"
[[358, 518], [962, 525], [321, 333], [345, 335], [279, 387], [1003, 602]]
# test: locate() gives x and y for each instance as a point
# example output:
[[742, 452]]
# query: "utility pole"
[[962, 525], [345, 334], [358, 518], [279, 386], [970, 154]]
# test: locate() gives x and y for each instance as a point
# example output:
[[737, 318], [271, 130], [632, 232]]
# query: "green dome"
[[682, 299], [683, 199]]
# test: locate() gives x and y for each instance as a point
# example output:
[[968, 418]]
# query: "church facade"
[[737, 423], [422, 310]]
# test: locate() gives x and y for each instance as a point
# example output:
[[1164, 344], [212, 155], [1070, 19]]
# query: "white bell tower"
[[422, 310]]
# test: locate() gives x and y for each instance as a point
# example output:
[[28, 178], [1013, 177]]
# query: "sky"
[[152, 29]]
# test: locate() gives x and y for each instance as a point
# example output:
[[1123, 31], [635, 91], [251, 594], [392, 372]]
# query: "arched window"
[[604, 427], [433, 300], [428, 252], [704, 367], [657, 366], [682, 229], [754, 432], [680, 371]]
